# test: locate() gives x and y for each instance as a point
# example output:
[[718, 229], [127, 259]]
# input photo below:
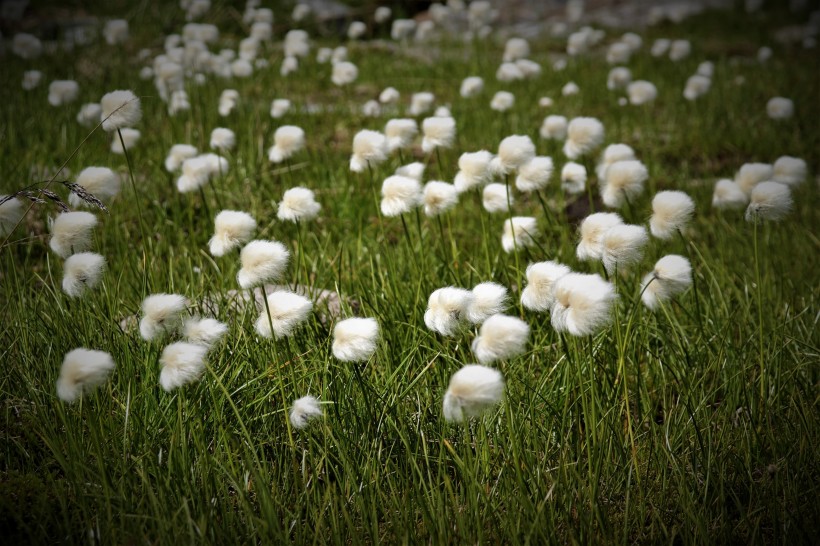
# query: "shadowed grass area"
[[653, 430]]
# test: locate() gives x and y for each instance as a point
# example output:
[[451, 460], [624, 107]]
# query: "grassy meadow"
[[695, 423]]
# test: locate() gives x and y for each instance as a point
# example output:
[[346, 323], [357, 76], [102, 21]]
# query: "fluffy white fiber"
[[355, 339], [223, 139], [82, 370], [204, 331], [501, 337], [502, 101], [287, 140], [298, 205], [519, 232], [535, 174], [624, 181], [71, 232], [472, 390], [573, 178], [671, 276], [182, 363], [101, 182], [583, 304], [369, 147], [554, 127], [791, 171], [513, 152], [728, 195], [538, 294], [412, 170], [438, 197], [622, 245], [584, 135], [641, 92], [474, 170], [439, 132], [780, 108], [262, 261], [231, 229], [400, 133], [344, 73], [447, 308], [120, 109], [303, 411], [752, 174], [497, 198], [671, 211], [82, 272], [471, 86], [130, 137], [287, 312], [489, 298], [63, 92], [11, 212], [612, 154], [592, 230], [161, 314], [400, 194], [421, 103], [770, 201]]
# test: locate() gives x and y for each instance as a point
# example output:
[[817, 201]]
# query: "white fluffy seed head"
[[400, 133], [287, 312], [671, 276], [612, 154], [519, 232], [197, 171], [573, 178], [641, 92], [752, 174], [279, 107], [502, 101], [472, 390], [231, 229], [622, 246], [182, 363], [303, 411], [513, 152], [618, 53], [583, 304], [494, 198], [791, 171], [501, 337], [538, 294], [63, 92], [671, 211], [11, 212], [298, 205], [101, 182], [447, 308], [161, 314], [570, 89], [355, 339], [421, 103], [509, 72], [535, 174], [389, 95], [223, 139], [696, 86], [624, 180], [660, 47], [770, 201], [728, 195], [369, 147], [262, 261], [412, 170], [679, 50], [287, 140], [89, 114], [82, 370], [204, 331], [71, 232], [554, 127], [82, 272], [471, 87], [439, 132], [400, 194], [120, 109], [344, 73], [438, 197], [474, 170], [592, 232], [618, 78], [584, 135], [780, 108], [489, 298], [129, 136], [516, 48], [177, 155]]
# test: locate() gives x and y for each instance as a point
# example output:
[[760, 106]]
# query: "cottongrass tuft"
[[618, 78], [473, 389], [612, 154], [197, 171], [177, 155], [223, 139], [89, 114], [696, 86], [303, 411], [11, 212], [489, 298], [447, 308], [287, 140], [439, 132], [474, 170], [622, 246], [412, 170], [262, 261], [344, 73], [287, 312], [780, 108], [279, 107], [752, 174], [63, 92], [421, 103], [82, 272], [101, 182], [641, 92], [400, 133], [728, 195], [573, 178], [671, 211], [389, 95], [182, 363], [519, 232], [400, 194], [791, 171], [204, 331], [82, 370], [494, 198], [770, 201], [671, 276], [624, 181], [538, 295], [471, 87], [502, 101], [592, 230], [231, 229], [553, 127], [369, 148], [438, 197], [535, 174], [584, 135], [298, 205], [513, 152], [355, 339], [71, 232], [583, 304], [120, 109], [130, 137], [501, 337], [161, 314]]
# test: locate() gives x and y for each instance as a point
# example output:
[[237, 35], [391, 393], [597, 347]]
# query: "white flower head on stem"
[[177, 155], [182, 363], [624, 181], [583, 304], [489, 298], [231, 229], [101, 182], [298, 205], [412, 170], [641, 92], [400, 133], [421, 103], [612, 154], [519, 232], [553, 128], [223, 139], [501, 337], [389, 95], [494, 198], [287, 312], [129, 136], [671, 276], [82, 370], [262, 261], [770, 201], [400, 194], [538, 294], [71, 232], [303, 411], [287, 140], [82, 272], [535, 174], [438, 197], [355, 339], [161, 314], [728, 195], [752, 174], [471, 87], [447, 308], [11, 212], [573, 178], [502, 101], [120, 109], [780, 108], [369, 148], [671, 211], [472, 390], [623, 246], [584, 135], [204, 331], [791, 171], [513, 152], [439, 132], [474, 170], [344, 73], [279, 107], [592, 233]]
